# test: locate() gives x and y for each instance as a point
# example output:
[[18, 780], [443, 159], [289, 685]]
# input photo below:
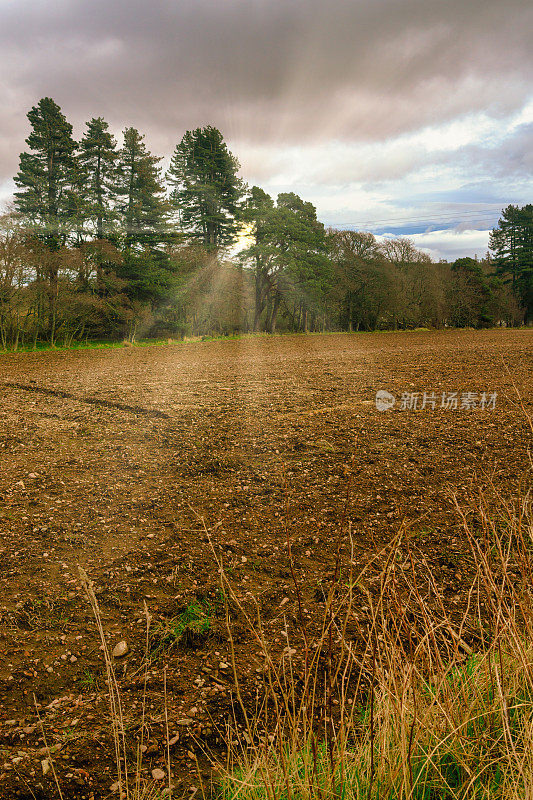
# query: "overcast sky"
[[411, 117]]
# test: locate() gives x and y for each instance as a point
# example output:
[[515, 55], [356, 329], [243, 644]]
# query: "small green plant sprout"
[[89, 680], [190, 628]]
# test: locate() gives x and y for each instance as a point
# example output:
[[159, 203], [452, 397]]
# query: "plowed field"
[[129, 462]]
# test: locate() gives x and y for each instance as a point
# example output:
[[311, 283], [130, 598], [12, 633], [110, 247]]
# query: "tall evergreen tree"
[[46, 175], [141, 202], [512, 246], [302, 252], [207, 188], [289, 257], [98, 153], [258, 216]]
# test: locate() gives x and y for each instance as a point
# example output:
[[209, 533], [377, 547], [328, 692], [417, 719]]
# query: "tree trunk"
[[274, 312], [259, 304]]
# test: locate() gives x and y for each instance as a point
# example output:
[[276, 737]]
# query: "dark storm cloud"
[[272, 71]]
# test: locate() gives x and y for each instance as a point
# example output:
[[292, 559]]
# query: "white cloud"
[[452, 244], [6, 193]]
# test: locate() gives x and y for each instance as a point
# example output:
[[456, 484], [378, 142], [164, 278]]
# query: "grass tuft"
[[190, 628]]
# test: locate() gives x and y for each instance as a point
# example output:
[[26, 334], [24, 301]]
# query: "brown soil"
[[112, 458]]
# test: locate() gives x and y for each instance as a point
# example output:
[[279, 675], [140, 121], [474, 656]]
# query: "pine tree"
[[289, 257], [46, 177], [141, 202], [98, 154], [207, 189], [512, 246], [302, 246], [258, 216]]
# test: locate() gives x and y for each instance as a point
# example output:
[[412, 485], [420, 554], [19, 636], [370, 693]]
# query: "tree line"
[[100, 244]]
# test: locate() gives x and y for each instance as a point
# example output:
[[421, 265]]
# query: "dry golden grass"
[[421, 714]]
